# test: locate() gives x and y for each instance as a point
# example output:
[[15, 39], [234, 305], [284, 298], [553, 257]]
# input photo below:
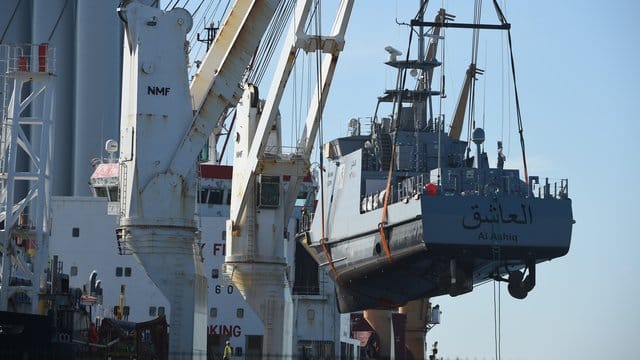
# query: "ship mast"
[[25, 223]]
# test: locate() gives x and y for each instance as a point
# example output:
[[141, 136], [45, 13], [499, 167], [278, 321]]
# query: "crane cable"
[[497, 331], [503, 20], [270, 40], [58, 21], [169, 5], [209, 13], [318, 54], [496, 252], [400, 84], [13, 14]]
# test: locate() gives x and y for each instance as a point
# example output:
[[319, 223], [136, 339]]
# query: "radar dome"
[[477, 136], [111, 146]]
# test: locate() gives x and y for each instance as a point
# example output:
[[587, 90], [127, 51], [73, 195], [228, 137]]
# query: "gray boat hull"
[[484, 237]]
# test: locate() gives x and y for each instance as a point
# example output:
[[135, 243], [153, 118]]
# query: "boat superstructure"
[[408, 212]]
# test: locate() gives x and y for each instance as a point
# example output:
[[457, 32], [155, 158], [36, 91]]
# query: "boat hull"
[[447, 246]]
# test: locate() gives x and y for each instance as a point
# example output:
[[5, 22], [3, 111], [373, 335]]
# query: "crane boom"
[[296, 163], [441, 17], [255, 257], [318, 101], [461, 106], [216, 85]]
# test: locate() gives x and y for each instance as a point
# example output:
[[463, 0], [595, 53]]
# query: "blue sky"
[[577, 70]]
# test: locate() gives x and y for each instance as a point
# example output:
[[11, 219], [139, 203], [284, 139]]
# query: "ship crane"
[[164, 125], [255, 258], [161, 137]]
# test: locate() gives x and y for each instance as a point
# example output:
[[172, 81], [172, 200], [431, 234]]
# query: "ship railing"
[[36, 58], [414, 187], [463, 185], [286, 152], [33, 58], [410, 187], [402, 191], [550, 189]]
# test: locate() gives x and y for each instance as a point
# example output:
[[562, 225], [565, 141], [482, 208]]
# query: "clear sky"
[[578, 74]]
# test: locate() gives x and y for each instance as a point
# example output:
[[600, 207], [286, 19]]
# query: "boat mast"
[[422, 85]]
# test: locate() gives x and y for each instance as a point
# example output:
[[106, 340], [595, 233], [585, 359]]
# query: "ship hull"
[[442, 245]]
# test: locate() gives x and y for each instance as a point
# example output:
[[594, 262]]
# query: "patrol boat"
[[406, 212]]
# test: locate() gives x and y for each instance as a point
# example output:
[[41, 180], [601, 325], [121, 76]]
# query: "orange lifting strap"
[[383, 234]]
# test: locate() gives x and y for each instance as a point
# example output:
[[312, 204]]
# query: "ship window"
[[152, 311], [73, 271], [224, 235], [203, 196], [125, 311], [100, 191], [269, 192], [240, 313], [113, 193], [215, 273], [215, 196], [228, 198], [301, 200], [75, 232], [213, 312], [127, 271], [211, 196], [119, 271], [238, 351], [160, 310]]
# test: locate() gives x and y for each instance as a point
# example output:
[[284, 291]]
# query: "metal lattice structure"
[[25, 167]]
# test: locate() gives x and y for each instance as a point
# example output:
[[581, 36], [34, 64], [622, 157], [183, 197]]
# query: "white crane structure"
[[25, 168], [164, 125], [260, 206]]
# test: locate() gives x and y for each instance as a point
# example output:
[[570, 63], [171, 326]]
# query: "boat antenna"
[[420, 17], [422, 82]]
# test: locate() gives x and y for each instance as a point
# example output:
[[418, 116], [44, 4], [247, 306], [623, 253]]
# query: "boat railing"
[[410, 187], [284, 152], [402, 191], [550, 189], [464, 185], [473, 184], [36, 58]]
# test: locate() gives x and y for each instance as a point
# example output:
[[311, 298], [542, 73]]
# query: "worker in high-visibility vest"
[[228, 351]]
